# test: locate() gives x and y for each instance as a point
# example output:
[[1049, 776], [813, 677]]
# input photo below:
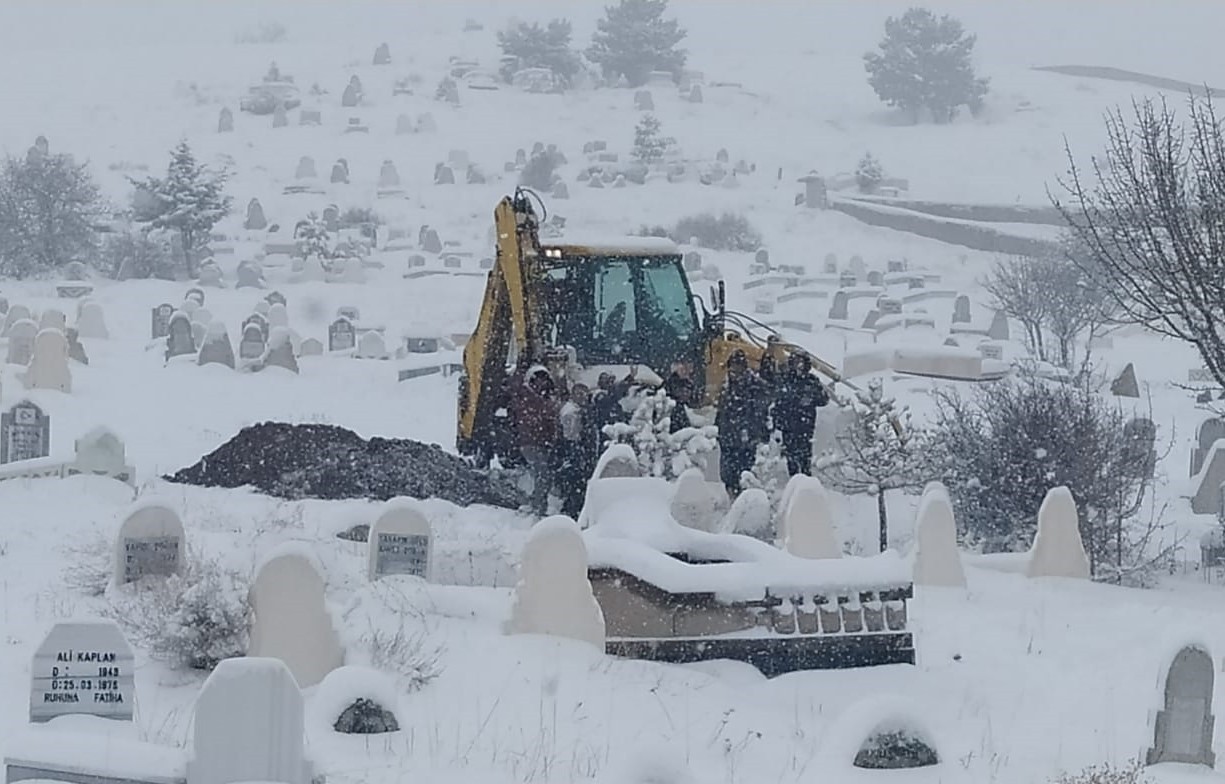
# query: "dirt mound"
[[324, 461]]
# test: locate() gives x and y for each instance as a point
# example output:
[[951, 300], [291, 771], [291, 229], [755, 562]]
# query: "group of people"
[[559, 426], [753, 405]]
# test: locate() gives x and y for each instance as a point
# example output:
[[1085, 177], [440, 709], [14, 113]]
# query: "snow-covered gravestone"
[[91, 323], [83, 667], [312, 271], [151, 543], [371, 346], [1183, 729], [695, 504], [617, 461], [306, 168], [400, 541], [280, 350], [21, 342], [53, 319], [250, 275], [553, 595], [225, 120], [216, 348], [25, 433], [181, 340], [961, 309], [161, 321], [937, 561], [102, 453], [341, 335], [291, 619], [750, 514], [311, 347], [255, 220], [807, 529], [1058, 550], [278, 316], [253, 344], [49, 366], [249, 726], [276, 297]]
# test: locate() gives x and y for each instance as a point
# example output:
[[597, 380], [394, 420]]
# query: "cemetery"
[[240, 543]]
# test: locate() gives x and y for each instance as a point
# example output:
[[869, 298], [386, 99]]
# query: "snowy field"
[[1018, 679]]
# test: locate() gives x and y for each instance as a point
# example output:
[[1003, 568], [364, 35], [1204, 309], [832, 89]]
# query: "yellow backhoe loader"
[[604, 305]]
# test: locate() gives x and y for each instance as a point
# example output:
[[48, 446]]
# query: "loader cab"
[[623, 303]]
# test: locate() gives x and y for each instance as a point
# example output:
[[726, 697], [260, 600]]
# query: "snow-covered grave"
[[151, 542], [554, 594], [672, 593], [291, 620]]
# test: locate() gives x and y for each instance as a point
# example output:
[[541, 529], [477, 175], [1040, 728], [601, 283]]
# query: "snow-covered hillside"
[[1017, 679]]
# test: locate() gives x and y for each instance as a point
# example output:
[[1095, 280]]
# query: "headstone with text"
[[400, 541], [83, 667], [161, 320], [25, 433], [150, 544]]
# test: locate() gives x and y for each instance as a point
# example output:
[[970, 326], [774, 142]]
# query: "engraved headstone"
[[83, 667], [340, 174], [847, 280], [253, 343], [400, 541], [961, 309], [150, 544], [291, 619], [1183, 728], [341, 335], [180, 341], [25, 433], [161, 320]]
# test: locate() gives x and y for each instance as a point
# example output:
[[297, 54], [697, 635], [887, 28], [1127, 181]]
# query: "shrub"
[[358, 216], [135, 253], [649, 142], [728, 231], [532, 46], [1131, 773], [868, 174], [48, 207], [366, 717], [405, 653]]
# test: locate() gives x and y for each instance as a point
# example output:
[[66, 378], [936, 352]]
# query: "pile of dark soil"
[[324, 461]]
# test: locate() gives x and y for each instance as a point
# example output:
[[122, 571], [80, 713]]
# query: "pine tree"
[[662, 453], [869, 174], [872, 457], [48, 207], [189, 200], [634, 39], [313, 238], [924, 63], [649, 144], [533, 46]]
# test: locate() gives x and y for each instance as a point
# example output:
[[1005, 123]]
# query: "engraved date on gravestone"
[[403, 554], [155, 555]]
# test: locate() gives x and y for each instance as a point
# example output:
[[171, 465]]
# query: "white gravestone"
[[278, 316], [249, 726], [91, 323], [102, 453], [151, 542], [553, 595], [83, 667], [25, 433], [53, 319], [291, 619], [807, 529], [937, 560], [1058, 550], [400, 541], [617, 461], [696, 502], [371, 346], [21, 342], [49, 366], [16, 313]]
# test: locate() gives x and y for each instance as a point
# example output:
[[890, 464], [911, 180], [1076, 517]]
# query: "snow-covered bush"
[[660, 452], [409, 654], [634, 39], [649, 142], [313, 238], [881, 451], [728, 231], [191, 620], [1001, 449], [1131, 773], [769, 473], [868, 174], [48, 207], [134, 253]]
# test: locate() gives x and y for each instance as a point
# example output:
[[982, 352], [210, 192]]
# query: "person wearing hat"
[[799, 396], [743, 410]]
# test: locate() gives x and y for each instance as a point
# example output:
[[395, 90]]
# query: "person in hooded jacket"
[[798, 396], [742, 420], [534, 411]]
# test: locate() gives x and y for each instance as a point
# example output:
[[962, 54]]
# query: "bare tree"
[[1015, 285], [1151, 218]]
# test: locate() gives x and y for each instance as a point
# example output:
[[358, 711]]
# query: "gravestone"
[[253, 343], [400, 541], [429, 241], [426, 123], [351, 96], [225, 121], [102, 453], [520, 158], [889, 306], [216, 348], [161, 320], [838, 310], [475, 176], [83, 667], [280, 118], [249, 725], [150, 544], [48, 367], [76, 351], [999, 326], [404, 125], [830, 265], [876, 278], [342, 336], [937, 560], [1208, 433], [388, 176], [1057, 550], [276, 298], [847, 280], [916, 283], [255, 220], [280, 350], [291, 619], [311, 347], [961, 309], [306, 168], [331, 218], [181, 340], [443, 175], [278, 315], [560, 190], [382, 55], [448, 91], [1183, 729], [643, 101], [807, 524], [895, 265], [250, 276], [340, 174], [351, 312], [553, 595], [53, 318], [1125, 384], [13, 315], [25, 433], [21, 342], [990, 350], [370, 345], [310, 117]]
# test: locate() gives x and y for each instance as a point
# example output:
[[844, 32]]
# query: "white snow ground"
[[1048, 676]]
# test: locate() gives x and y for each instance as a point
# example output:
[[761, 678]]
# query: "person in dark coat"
[[741, 421], [679, 386], [534, 410], [606, 402], [799, 395]]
